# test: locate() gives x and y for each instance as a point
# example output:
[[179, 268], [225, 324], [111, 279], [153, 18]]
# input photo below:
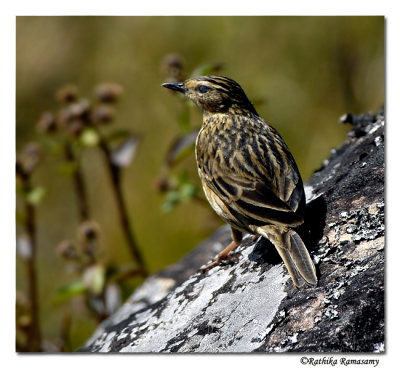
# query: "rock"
[[251, 305]]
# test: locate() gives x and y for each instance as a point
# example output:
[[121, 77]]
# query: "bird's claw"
[[215, 261]]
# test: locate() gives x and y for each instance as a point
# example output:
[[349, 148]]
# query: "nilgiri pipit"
[[247, 172]]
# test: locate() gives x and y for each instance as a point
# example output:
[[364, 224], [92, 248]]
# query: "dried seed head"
[[103, 114], [108, 92], [30, 158], [88, 230], [19, 170], [47, 123], [33, 150], [162, 184], [24, 322], [172, 65], [67, 94], [67, 250], [77, 111], [63, 118], [75, 128], [88, 234], [80, 109], [21, 300]]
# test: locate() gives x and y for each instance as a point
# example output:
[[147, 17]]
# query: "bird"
[[248, 174]]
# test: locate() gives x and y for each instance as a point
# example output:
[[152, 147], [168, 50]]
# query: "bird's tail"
[[293, 252]]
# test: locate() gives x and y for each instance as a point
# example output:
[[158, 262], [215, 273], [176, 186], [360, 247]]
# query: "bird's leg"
[[226, 253], [222, 256]]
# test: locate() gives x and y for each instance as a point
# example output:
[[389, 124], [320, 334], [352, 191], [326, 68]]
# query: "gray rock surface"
[[251, 305]]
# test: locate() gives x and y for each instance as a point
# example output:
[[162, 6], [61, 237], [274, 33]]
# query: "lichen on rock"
[[251, 305]]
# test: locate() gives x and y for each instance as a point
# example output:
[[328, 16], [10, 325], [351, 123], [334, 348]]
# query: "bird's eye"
[[202, 89]]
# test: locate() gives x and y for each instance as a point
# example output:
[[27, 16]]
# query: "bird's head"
[[214, 94]]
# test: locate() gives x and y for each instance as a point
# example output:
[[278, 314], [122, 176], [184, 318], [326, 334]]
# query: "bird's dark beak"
[[175, 86]]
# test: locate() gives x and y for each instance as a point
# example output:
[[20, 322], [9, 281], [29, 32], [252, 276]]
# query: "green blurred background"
[[308, 71]]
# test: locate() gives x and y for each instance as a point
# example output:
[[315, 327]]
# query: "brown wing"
[[248, 166]]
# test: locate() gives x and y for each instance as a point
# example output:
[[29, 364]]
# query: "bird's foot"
[[220, 259]]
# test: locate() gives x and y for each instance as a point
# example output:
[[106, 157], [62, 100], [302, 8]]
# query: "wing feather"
[[255, 174]]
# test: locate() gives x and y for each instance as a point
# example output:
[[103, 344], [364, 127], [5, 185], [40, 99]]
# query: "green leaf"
[[69, 291], [89, 138], [172, 199], [183, 178], [94, 278], [188, 191], [35, 195], [184, 193]]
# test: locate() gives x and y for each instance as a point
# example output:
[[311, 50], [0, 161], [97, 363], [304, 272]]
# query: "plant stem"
[[115, 174], [79, 185], [34, 338], [65, 343]]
